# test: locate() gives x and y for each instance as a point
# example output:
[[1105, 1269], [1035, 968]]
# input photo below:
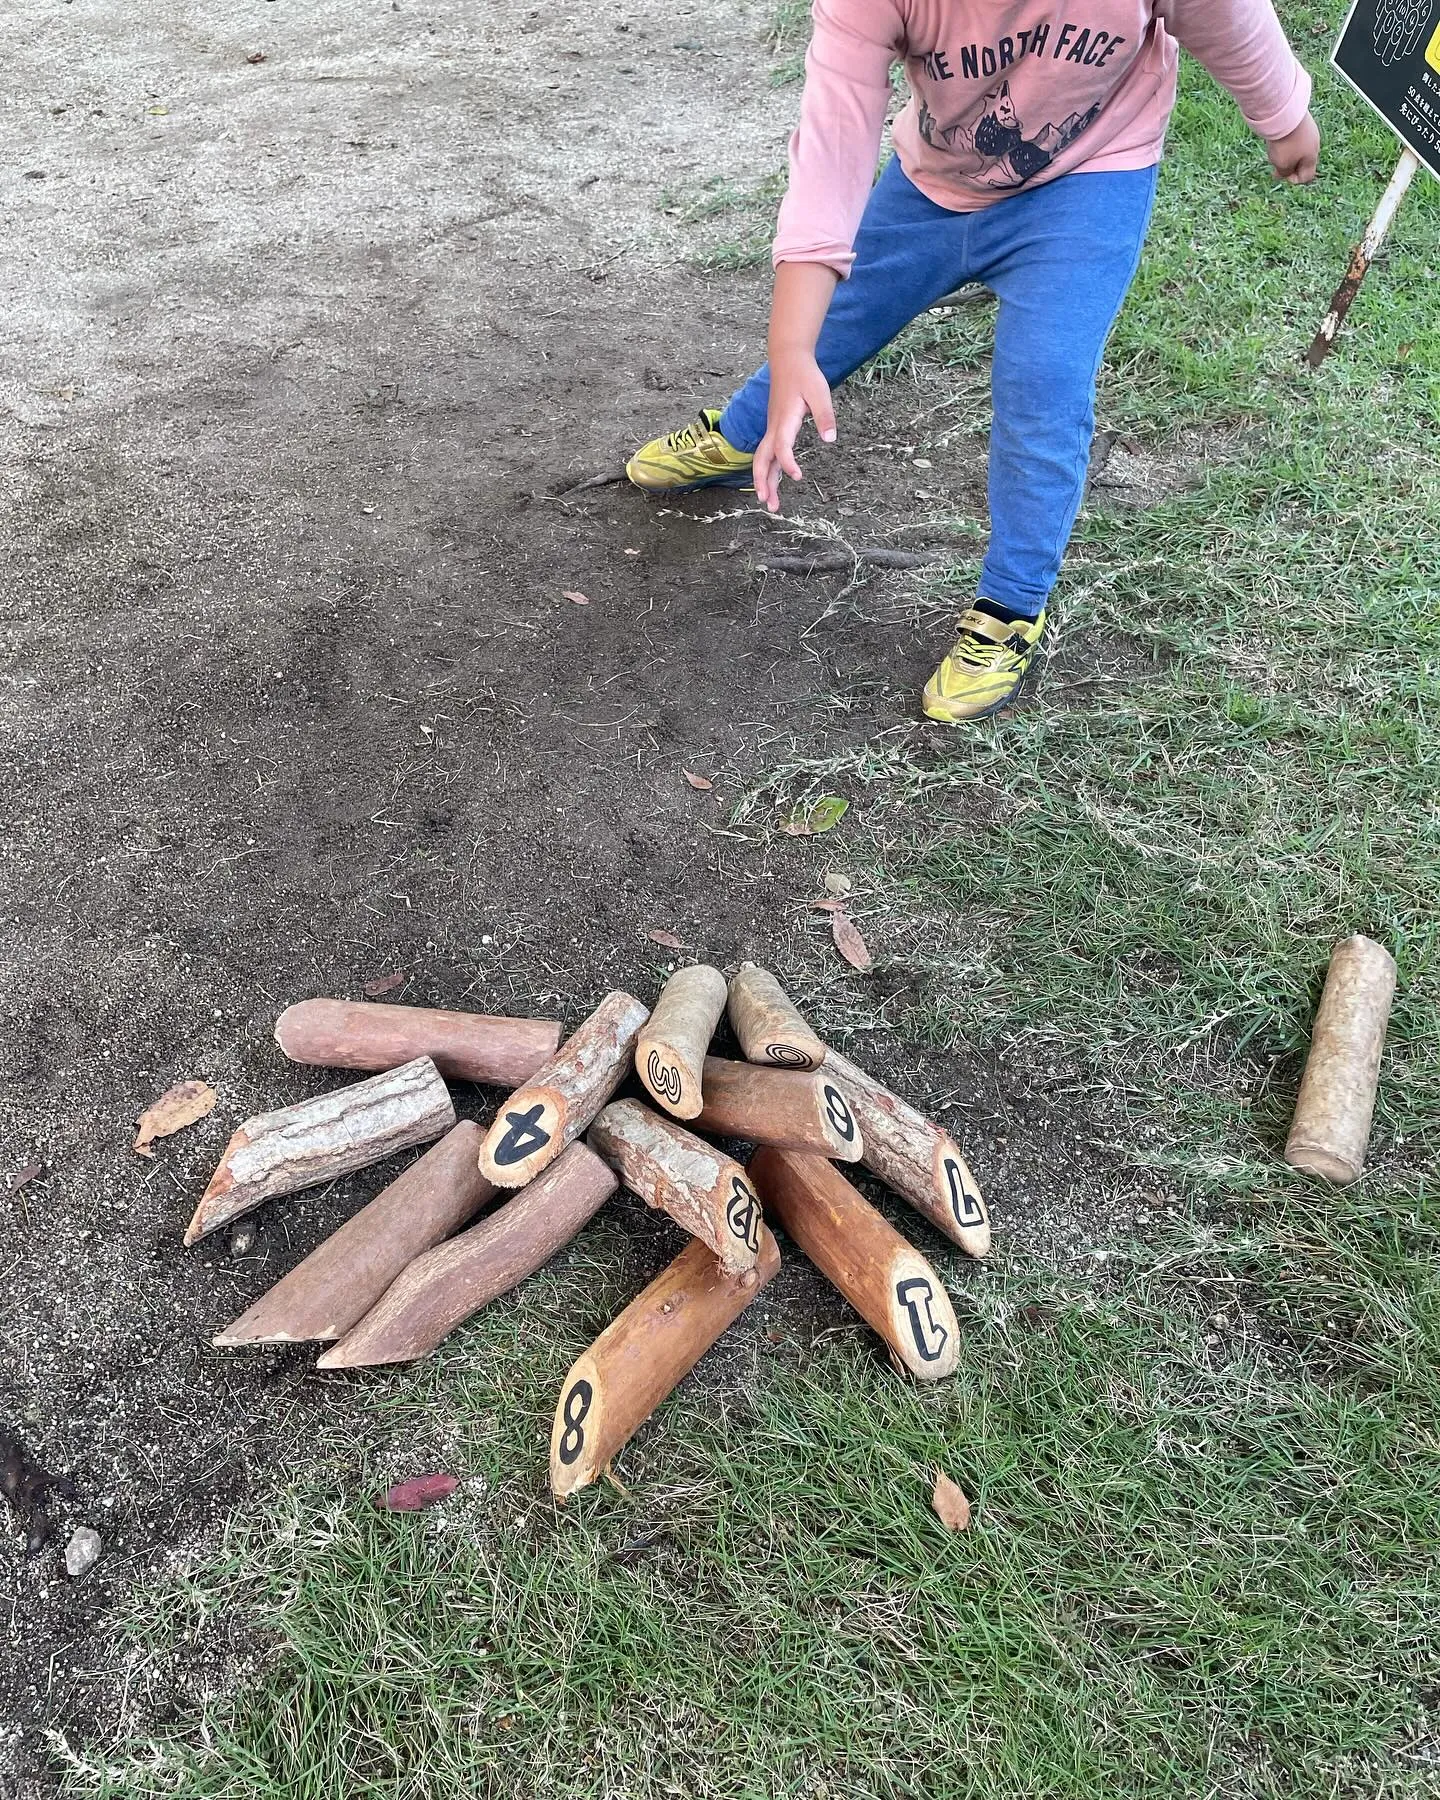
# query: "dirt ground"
[[311, 314]]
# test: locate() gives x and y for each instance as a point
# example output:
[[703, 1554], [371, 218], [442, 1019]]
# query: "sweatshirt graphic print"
[[1005, 93]]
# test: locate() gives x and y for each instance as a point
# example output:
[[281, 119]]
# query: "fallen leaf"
[[849, 942], [700, 782], [415, 1495], [811, 817], [178, 1107], [574, 596], [630, 552], [668, 938], [255, 56], [952, 1509], [23, 1177], [836, 883], [828, 905], [383, 984]]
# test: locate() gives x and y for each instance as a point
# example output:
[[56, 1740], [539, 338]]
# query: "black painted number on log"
[[665, 1080], [742, 1214], [525, 1135], [839, 1113], [965, 1205], [577, 1410], [916, 1295], [787, 1055]]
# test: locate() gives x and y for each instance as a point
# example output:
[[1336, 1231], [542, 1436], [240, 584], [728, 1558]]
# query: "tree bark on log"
[[886, 1280], [450, 1283], [794, 1109], [636, 1361], [362, 1034], [564, 1095], [672, 1169], [670, 1054], [321, 1139], [768, 1023], [335, 1286], [920, 1161]]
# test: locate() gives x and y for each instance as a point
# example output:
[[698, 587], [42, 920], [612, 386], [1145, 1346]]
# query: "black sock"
[[1006, 615]]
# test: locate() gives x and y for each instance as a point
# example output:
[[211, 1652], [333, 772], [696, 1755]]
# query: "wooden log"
[[320, 1299], [564, 1094], [358, 1034], [1331, 1129], [670, 1054], [920, 1161], [672, 1169], [886, 1280], [768, 1023], [636, 1361], [795, 1109], [445, 1286], [322, 1139]]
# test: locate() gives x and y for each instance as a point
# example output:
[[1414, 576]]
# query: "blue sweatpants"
[[1060, 257]]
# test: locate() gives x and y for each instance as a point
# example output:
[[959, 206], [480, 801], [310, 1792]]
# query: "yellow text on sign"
[[1432, 51]]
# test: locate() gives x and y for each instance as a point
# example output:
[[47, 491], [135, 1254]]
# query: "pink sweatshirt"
[[1004, 93]]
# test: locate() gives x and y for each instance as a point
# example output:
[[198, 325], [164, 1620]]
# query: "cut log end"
[[578, 1437], [924, 1330], [768, 1024], [964, 1216], [219, 1203], [669, 1081], [524, 1138]]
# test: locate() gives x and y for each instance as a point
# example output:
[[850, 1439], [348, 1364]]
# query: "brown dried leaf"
[[829, 906], [668, 938], [574, 596], [383, 984], [23, 1177], [699, 782], [849, 942], [416, 1495], [952, 1508], [179, 1106]]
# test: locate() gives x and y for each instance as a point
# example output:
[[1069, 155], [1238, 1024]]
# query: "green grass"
[[1206, 1469]]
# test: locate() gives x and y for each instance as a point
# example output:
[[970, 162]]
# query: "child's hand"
[[796, 388], [1294, 157]]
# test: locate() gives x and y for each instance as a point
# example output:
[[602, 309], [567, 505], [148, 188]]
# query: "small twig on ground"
[[606, 478], [835, 562]]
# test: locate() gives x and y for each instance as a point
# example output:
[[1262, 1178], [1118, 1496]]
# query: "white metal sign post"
[[1389, 52]]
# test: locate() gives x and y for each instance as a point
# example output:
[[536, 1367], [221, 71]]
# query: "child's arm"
[[1243, 45], [832, 167]]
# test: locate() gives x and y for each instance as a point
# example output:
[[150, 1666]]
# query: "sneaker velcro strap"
[[982, 625]]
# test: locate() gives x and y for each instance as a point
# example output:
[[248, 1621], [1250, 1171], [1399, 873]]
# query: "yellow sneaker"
[[696, 456], [986, 668]]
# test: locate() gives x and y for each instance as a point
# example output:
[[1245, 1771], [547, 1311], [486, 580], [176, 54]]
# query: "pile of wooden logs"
[[400, 1275]]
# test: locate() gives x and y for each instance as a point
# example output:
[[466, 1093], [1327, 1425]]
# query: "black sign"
[[1389, 52]]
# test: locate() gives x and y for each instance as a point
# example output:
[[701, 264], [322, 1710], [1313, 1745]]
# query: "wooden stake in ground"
[[671, 1168], [355, 1034], [1331, 1128], [768, 1023], [338, 1284], [1361, 258], [634, 1363], [796, 1109], [321, 1139], [671, 1048], [445, 1286], [886, 1280], [920, 1161], [564, 1095]]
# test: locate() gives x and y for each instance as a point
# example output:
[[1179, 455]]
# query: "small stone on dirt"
[[82, 1552]]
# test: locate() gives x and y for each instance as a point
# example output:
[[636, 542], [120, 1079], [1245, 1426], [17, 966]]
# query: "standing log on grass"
[[920, 1161], [564, 1095], [886, 1280], [635, 1362], [442, 1288], [795, 1109], [321, 1139], [670, 1054], [768, 1023], [320, 1300], [361, 1034], [1331, 1129], [671, 1168]]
